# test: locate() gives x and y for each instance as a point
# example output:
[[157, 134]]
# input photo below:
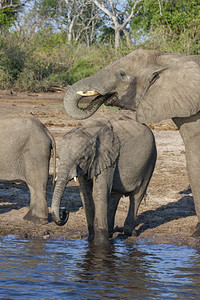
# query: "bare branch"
[[104, 9], [112, 6], [132, 14], [119, 19], [9, 4], [160, 8]]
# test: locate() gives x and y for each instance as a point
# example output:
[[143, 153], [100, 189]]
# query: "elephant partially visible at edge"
[[157, 86], [25, 152], [111, 159]]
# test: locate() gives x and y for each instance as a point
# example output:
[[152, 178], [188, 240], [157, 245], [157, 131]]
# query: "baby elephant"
[[111, 159], [24, 156]]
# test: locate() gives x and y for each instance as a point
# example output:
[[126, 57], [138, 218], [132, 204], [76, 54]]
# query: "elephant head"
[[83, 150], [158, 86]]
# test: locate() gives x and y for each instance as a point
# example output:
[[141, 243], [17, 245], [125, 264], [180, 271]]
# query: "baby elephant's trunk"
[[59, 217]]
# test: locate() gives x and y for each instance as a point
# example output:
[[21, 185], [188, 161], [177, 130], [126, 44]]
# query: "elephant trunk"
[[59, 217], [72, 97]]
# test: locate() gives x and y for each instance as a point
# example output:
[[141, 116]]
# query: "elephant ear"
[[107, 147], [171, 92]]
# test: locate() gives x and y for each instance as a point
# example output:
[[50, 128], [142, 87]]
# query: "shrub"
[[89, 62], [5, 79], [185, 42], [12, 60]]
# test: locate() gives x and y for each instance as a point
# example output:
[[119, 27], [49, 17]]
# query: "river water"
[[71, 269]]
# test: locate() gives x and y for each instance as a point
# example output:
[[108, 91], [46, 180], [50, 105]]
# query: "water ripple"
[[71, 269]]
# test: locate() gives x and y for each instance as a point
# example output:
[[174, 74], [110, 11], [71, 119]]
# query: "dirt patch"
[[167, 215]]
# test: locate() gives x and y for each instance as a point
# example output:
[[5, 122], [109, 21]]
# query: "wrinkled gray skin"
[[158, 86], [111, 159], [24, 157]]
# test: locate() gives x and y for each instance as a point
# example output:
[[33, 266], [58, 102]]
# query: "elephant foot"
[[116, 229], [129, 232], [90, 238], [197, 231], [91, 233], [101, 237], [34, 219], [110, 235]]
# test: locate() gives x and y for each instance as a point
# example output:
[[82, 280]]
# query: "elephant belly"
[[10, 170], [125, 184], [9, 176]]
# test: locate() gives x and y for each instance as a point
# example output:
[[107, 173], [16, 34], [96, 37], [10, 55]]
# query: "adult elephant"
[[111, 159], [158, 86], [25, 153]]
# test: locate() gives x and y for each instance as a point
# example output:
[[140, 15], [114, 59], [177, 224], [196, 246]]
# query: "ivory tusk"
[[75, 179], [88, 93]]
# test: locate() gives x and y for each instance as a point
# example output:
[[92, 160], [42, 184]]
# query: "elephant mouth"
[[120, 103], [91, 98]]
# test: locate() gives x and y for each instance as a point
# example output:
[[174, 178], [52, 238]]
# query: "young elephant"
[[24, 156], [111, 159]]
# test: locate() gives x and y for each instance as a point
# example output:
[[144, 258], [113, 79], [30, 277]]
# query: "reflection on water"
[[71, 269]]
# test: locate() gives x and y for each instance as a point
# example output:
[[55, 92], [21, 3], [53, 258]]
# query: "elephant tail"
[[53, 147]]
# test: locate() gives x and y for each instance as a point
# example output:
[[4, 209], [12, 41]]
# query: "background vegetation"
[[47, 43]]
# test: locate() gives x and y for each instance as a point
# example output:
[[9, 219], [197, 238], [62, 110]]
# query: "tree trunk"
[[117, 38]]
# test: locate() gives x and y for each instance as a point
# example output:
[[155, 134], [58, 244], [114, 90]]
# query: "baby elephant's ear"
[[107, 147]]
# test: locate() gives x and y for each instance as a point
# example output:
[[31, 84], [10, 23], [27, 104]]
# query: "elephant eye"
[[121, 74]]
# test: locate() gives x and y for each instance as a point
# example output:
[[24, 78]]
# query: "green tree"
[[118, 16], [177, 21], [78, 19], [8, 12]]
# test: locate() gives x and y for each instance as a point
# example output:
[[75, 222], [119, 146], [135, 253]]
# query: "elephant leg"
[[88, 203], [189, 129], [134, 203], [38, 210], [192, 149], [129, 223], [37, 178], [102, 185], [112, 208]]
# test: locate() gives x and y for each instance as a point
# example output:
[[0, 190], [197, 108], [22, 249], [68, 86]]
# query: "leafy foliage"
[[38, 54], [90, 62], [7, 17], [12, 60], [8, 13], [172, 25]]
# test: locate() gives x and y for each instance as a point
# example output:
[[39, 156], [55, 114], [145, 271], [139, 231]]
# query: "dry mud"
[[166, 216]]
